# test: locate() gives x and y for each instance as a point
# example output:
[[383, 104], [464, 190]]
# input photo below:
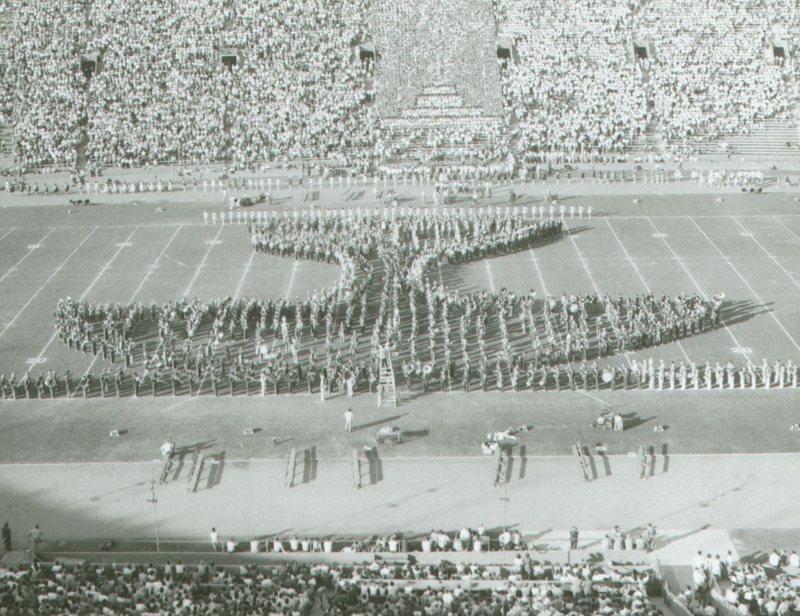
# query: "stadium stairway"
[[438, 109], [6, 131], [6, 147], [776, 138]]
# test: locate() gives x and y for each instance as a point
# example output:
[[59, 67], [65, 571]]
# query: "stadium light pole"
[[154, 500]]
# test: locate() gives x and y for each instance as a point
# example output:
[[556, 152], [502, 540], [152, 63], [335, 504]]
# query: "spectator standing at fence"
[[214, 535], [573, 538], [6, 533], [650, 537], [35, 536]]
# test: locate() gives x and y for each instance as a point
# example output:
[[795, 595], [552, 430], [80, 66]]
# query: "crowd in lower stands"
[[392, 589], [768, 589]]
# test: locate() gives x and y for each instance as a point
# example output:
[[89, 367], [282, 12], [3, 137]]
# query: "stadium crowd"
[[767, 589], [342, 590], [292, 84]]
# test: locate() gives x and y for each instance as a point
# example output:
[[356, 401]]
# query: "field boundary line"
[[344, 459]]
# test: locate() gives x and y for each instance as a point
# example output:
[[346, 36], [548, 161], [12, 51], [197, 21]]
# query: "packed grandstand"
[[249, 81]]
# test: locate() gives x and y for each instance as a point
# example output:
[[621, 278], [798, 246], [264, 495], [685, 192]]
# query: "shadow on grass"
[[378, 422]]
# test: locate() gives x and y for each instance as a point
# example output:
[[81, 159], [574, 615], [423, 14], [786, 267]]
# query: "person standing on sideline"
[[573, 538], [214, 535], [348, 420], [36, 538], [6, 537]]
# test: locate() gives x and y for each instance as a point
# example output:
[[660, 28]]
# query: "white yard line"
[[202, 263], [778, 218], [27, 254], [591, 279], [181, 403], [10, 231], [697, 286], [146, 276], [747, 284], [291, 280], [583, 393], [82, 297], [44, 284], [582, 260], [489, 273], [766, 252], [244, 275], [155, 264], [538, 272], [638, 273]]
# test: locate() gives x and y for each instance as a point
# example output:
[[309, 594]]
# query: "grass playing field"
[[124, 252]]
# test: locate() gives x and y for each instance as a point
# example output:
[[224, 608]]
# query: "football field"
[[59, 463]]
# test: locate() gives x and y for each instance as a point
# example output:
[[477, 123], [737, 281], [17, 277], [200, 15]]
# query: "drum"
[[607, 376], [427, 369]]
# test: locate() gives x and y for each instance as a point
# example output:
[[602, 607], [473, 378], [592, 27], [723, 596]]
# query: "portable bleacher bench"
[[577, 450], [388, 435], [291, 468], [356, 469], [166, 469], [196, 471]]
